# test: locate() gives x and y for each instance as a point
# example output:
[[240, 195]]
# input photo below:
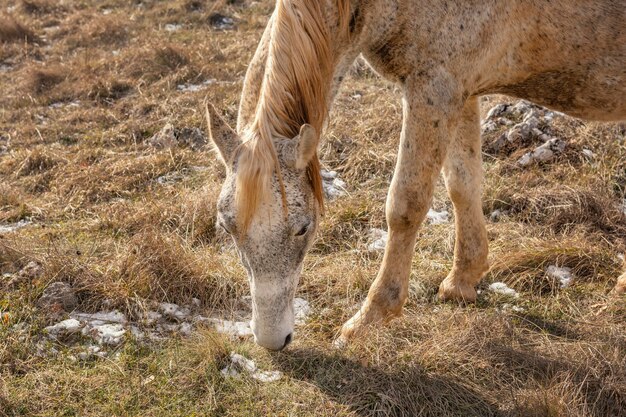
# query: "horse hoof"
[[458, 292]]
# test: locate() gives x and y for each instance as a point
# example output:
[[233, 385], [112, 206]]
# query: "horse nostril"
[[287, 340]]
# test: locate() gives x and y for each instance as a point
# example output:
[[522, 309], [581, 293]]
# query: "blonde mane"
[[296, 84]]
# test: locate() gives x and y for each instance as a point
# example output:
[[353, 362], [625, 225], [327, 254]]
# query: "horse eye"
[[303, 231]]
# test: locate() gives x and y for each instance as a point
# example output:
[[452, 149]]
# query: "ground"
[[125, 217]]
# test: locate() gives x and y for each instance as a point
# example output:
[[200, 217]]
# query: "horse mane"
[[295, 88]]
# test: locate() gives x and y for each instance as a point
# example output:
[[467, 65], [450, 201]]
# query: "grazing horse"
[[569, 55]]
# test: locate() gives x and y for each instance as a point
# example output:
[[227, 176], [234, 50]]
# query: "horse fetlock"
[[371, 313], [452, 289]]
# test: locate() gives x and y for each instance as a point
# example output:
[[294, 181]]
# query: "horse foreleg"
[[427, 126], [463, 175]]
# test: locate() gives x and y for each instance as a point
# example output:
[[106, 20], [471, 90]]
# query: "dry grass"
[[13, 31], [129, 225]]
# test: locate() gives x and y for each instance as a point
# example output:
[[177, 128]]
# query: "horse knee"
[[407, 213]]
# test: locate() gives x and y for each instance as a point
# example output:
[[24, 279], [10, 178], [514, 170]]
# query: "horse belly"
[[593, 93]]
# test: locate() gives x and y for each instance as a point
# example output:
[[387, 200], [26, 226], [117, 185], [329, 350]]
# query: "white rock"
[[192, 88], [301, 310], [64, 327], [137, 333], [437, 217], [334, 187], [185, 329], [543, 153], [103, 316], [239, 363], [562, 274], [12, 227], [378, 239], [514, 308], [151, 317], [232, 328], [172, 27], [589, 154], [267, 376], [174, 311], [502, 288], [106, 333], [497, 111]]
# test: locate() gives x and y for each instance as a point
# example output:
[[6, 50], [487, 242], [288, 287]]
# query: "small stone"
[[437, 217], [562, 274], [58, 295], [174, 311], [378, 240], [498, 111], [301, 309], [503, 289], [64, 328], [221, 22]]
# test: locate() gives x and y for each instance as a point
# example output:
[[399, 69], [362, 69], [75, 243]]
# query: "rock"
[[496, 215], [164, 138], [221, 22], [437, 217], [232, 328], [503, 289], [378, 240], [543, 153], [110, 317], [561, 274], [173, 27], [498, 111], [58, 296], [239, 363], [301, 310], [174, 311], [111, 334], [12, 227], [64, 328], [192, 88], [334, 187]]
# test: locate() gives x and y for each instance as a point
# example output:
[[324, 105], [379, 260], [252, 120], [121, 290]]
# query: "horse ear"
[[302, 148], [223, 136]]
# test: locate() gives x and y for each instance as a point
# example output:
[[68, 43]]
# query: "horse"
[[568, 55]]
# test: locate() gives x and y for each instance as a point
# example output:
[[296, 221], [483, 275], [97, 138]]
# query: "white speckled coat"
[[569, 55]]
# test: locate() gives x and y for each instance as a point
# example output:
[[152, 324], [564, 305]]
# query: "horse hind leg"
[[463, 176]]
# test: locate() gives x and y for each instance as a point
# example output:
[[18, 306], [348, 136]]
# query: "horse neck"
[[343, 54]]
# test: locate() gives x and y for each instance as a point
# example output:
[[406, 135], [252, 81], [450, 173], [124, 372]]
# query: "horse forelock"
[[296, 84]]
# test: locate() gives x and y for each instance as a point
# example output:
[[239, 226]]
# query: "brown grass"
[[13, 31], [39, 81]]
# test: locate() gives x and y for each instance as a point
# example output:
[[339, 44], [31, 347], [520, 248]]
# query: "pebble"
[[57, 295], [239, 363], [334, 187], [503, 289], [562, 274]]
